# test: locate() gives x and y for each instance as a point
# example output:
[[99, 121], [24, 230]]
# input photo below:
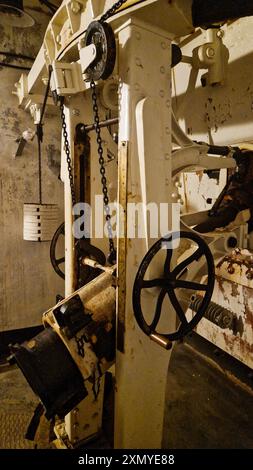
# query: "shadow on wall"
[[28, 284], [211, 108]]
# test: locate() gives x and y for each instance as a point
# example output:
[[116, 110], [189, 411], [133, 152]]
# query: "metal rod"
[[107, 123], [93, 264]]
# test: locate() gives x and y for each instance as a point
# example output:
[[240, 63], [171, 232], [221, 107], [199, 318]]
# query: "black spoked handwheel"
[[57, 262], [83, 249], [170, 282]]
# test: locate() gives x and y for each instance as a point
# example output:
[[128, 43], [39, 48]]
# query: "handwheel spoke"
[[167, 261], [153, 283], [177, 307], [158, 309], [180, 284], [181, 266], [60, 261]]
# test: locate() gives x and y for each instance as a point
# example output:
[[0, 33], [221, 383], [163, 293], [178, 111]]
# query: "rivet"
[[161, 93], [162, 69], [138, 35], [163, 44]]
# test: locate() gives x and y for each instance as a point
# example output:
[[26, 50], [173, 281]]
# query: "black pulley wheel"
[[102, 36], [170, 282]]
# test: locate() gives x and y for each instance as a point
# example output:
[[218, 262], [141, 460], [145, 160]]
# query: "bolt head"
[[220, 33], [210, 52], [75, 7]]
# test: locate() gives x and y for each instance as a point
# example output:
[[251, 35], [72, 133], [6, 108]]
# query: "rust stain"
[[200, 175], [247, 294], [219, 281], [235, 290], [244, 347]]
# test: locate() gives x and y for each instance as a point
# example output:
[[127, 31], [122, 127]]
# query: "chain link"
[[108, 217], [103, 172], [80, 343], [112, 250], [67, 151], [112, 10]]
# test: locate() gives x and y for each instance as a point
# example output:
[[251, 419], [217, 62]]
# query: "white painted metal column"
[[144, 160]]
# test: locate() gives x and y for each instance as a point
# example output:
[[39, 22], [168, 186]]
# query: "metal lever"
[[162, 341]]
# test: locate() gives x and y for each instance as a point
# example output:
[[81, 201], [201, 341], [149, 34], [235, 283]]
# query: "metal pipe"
[[162, 341], [93, 264], [106, 123]]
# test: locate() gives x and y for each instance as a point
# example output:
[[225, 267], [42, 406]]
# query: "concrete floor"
[[205, 408]]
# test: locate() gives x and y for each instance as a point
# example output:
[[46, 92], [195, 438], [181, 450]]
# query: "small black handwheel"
[[102, 36], [57, 262], [83, 249], [171, 280]]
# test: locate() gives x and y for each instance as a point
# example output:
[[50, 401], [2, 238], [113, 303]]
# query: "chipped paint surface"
[[221, 114], [28, 284], [237, 267], [198, 192], [233, 291]]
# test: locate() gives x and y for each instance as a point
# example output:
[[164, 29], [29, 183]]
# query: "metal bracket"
[[67, 78], [213, 55]]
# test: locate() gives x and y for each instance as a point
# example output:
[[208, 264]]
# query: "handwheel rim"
[[55, 263], [150, 329]]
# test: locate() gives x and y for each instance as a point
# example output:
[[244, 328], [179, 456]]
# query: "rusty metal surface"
[[98, 298], [233, 291], [237, 267], [122, 247]]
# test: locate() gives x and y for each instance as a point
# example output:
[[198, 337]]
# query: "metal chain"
[[112, 10], [103, 18], [102, 172], [113, 255], [67, 151], [80, 342]]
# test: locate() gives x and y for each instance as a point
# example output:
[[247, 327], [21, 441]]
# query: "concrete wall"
[[28, 284]]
